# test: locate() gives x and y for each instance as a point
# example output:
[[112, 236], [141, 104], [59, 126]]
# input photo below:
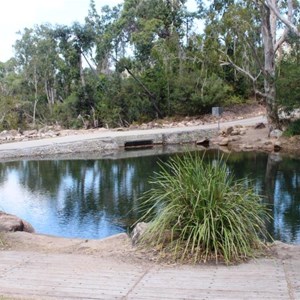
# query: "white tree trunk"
[[269, 39], [35, 95], [270, 16]]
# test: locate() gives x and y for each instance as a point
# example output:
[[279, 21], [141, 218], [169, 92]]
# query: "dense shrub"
[[293, 129], [288, 84]]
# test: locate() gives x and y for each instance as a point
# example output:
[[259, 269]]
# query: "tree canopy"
[[150, 59]]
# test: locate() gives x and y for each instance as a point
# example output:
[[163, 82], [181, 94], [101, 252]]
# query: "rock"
[[235, 132], [203, 142], [28, 227], [277, 146], [260, 126], [10, 223], [13, 132], [120, 129], [229, 130], [191, 123], [30, 132], [138, 231], [224, 142], [234, 138], [9, 135], [13, 223], [268, 148], [4, 133], [222, 133], [43, 130], [276, 133]]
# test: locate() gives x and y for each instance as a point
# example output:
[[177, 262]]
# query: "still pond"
[[97, 198]]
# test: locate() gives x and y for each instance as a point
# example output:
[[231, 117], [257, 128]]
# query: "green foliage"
[[233, 100], [293, 129], [198, 211], [171, 69], [198, 95], [288, 84], [11, 113], [108, 116], [216, 91], [65, 112]]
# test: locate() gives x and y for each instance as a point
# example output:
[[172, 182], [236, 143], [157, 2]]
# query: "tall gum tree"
[[275, 15], [277, 20]]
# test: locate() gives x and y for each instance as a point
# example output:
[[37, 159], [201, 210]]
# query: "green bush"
[[199, 212], [11, 113], [108, 115], [288, 84], [65, 112], [293, 129]]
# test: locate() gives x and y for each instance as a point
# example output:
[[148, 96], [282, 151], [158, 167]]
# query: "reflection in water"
[[97, 198], [278, 180], [75, 198]]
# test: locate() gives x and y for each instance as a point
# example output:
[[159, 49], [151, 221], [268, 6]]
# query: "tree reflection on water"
[[98, 198]]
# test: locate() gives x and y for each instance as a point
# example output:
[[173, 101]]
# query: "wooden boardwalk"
[[33, 275]]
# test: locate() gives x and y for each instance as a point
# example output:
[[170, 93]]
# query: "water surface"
[[97, 198]]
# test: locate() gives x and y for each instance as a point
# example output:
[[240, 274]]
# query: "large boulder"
[[13, 223]]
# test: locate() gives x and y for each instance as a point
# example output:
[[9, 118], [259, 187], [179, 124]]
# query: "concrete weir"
[[103, 141], [183, 136]]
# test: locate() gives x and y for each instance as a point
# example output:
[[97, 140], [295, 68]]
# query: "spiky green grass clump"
[[199, 211]]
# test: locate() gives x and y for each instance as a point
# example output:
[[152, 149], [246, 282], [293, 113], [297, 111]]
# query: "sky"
[[18, 14]]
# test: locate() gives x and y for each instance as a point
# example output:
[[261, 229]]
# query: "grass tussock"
[[197, 211]]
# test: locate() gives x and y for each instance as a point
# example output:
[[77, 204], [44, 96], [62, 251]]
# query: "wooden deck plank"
[[37, 295], [42, 276], [149, 292]]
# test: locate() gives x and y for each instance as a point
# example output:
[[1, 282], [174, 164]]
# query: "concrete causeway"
[[33, 275], [107, 140]]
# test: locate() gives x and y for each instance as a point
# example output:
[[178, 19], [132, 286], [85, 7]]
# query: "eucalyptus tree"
[[108, 38], [75, 47], [37, 58], [259, 29], [11, 100], [71, 41], [275, 15], [7, 72], [125, 37], [149, 21], [158, 31]]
